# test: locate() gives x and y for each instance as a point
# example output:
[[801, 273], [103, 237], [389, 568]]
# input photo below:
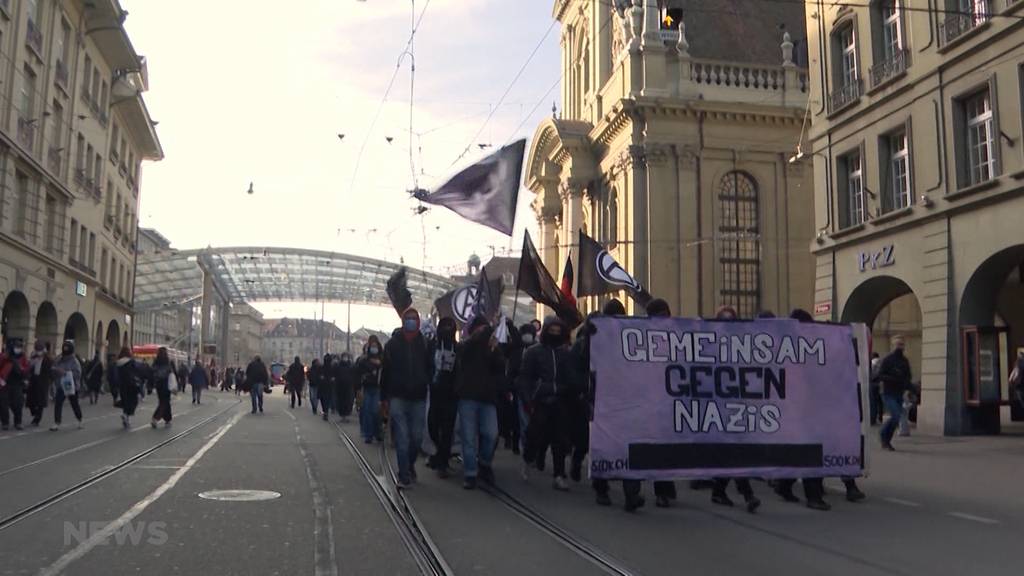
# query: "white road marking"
[[290, 415], [156, 467], [324, 560], [907, 503], [973, 518], [110, 529]]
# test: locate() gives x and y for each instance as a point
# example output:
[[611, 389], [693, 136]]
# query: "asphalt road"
[[936, 506]]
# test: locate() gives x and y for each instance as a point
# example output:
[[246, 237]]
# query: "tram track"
[[28, 511], [413, 534]]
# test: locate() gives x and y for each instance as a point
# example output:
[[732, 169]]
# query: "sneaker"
[[167, 424], [443, 473], [80, 425], [888, 447], [413, 478], [487, 474], [469, 484], [524, 472], [661, 502], [403, 483], [603, 499], [753, 503], [152, 424], [635, 503], [55, 427], [367, 440], [124, 421], [560, 484], [721, 500], [820, 505], [18, 427], [786, 494], [854, 494]]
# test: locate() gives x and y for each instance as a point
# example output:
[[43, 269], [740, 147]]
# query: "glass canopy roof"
[[250, 274]]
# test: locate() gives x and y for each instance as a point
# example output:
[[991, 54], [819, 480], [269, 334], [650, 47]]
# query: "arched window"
[[611, 218], [739, 244]]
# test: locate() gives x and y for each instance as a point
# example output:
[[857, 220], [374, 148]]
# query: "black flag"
[[459, 304], [601, 274], [535, 280], [488, 296], [398, 291], [486, 192]]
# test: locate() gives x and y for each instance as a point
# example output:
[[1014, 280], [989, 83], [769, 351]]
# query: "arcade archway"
[[113, 337], [77, 330], [15, 322], [47, 329]]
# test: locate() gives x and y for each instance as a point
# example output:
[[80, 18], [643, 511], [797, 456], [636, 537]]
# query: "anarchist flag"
[[567, 281], [459, 303], [398, 290], [534, 279], [486, 192], [601, 274]]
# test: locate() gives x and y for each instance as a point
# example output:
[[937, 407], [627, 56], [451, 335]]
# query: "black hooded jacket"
[[479, 368], [406, 369], [548, 372]]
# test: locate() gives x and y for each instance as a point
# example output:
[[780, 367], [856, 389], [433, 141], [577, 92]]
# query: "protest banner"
[[685, 398]]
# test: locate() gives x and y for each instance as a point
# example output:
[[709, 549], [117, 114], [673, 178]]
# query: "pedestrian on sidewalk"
[[480, 366], [368, 370], [344, 386], [68, 372], [127, 376], [14, 375], [444, 405], [256, 378], [896, 377], [295, 377], [405, 376], [163, 381], [199, 379], [40, 380], [239, 381], [547, 380], [94, 378], [315, 380]]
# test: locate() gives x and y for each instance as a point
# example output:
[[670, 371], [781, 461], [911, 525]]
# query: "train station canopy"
[[256, 274]]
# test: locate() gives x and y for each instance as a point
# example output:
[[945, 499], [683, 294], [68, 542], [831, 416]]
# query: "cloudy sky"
[[257, 91]]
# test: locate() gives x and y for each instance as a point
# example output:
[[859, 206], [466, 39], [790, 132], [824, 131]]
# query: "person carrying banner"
[[405, 376], [443, 403], [664, 491], [547, 379], [718, 494], [479, 368]]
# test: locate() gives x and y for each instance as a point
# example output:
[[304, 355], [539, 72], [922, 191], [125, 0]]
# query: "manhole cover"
[[240, 495]]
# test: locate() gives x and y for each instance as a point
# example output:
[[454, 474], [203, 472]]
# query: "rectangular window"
[[851, 190], [83, 246], [112, 281], [21, 204], [848, 46], [92, 251], [63, 47], [95, 92], [86, 74], [57, 136], [981, 166], [892, 29], [97, 173], [898, 189], [73, 252], [50, 228], [113, 142], [90, 157], [80, 156], [28, 94], [103, 266], [103, 97]]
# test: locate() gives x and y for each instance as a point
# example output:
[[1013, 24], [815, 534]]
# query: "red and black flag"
[[534, 279], [567, 282]]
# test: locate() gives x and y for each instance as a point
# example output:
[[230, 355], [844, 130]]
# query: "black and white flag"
[[601, 274], [486, 192]]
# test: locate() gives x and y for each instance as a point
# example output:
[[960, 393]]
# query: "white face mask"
[[374, 350], [528, 339]]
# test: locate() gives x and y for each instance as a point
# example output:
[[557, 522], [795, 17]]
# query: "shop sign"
[[80, 288], [878, 259], [822, 308]]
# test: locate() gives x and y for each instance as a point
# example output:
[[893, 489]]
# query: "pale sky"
[[254, 90]]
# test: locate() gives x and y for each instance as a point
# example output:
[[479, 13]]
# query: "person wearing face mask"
[[14, 374], [405, 377], [368, 371], [68, 372], [527, 339], [315, 377], [443, 403], [480, 366], [547, 380], [163, 380], [344, 386], [40, 379]]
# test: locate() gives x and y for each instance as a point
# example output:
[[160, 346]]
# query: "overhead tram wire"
[[387, 92], [839, 4]]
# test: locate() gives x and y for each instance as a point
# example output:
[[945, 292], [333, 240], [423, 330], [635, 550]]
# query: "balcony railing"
[[61, 74], [739, 76], [956, 25], [845, 95], [889, 69], [26, 132], [34, 38], [53, 159]]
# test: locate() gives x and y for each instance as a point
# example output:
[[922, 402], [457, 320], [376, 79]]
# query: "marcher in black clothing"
[[664, 490], [295, 377], [40, 380], [344, 386], [162, 379], [547, 379], [127, 377], [94, 378], [405, 378], [508, 413], [479, 368], [368, 370], [315, 377], [256, 378], [443, 404]]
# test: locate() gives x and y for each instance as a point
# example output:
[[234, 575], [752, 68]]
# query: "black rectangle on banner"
[[686, 456]]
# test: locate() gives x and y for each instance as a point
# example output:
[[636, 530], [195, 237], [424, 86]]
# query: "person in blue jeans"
[[896, 380], [368, 369], [405, 375], [479, 367], [257, 377]]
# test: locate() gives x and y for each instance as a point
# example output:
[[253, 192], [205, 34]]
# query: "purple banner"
[[683, 398]]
